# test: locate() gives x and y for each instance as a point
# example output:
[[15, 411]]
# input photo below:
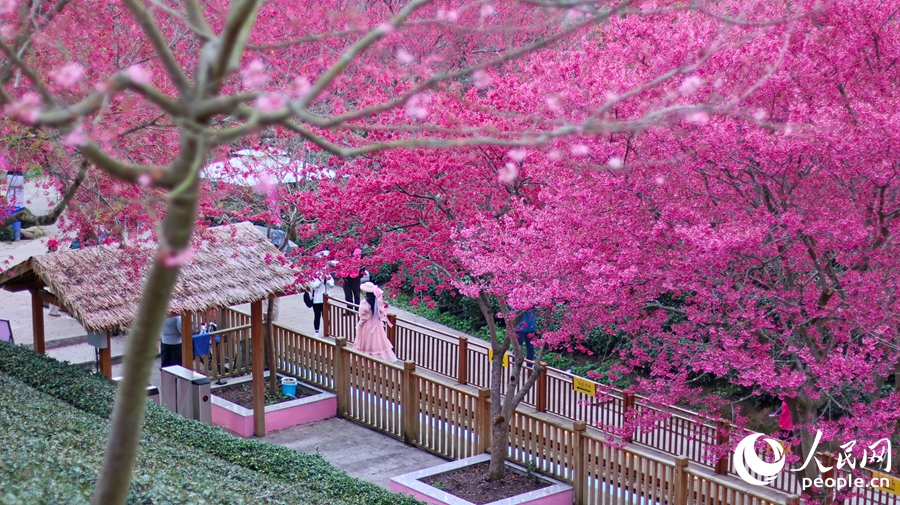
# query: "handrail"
[[722, 482], [227, 330], [479, 343], [406, 323]]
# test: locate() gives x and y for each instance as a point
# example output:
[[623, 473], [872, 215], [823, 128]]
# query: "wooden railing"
[[454, 422], [677, 432], [229, 347]]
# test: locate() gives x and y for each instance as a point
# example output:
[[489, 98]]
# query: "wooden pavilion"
[[101, 287]]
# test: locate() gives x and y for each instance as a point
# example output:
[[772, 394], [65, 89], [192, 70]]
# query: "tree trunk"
[[803, 410], [504, 400], [499, 443], [131, 398], [270, 347]]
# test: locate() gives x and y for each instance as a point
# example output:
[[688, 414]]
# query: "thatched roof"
[[100, 285]]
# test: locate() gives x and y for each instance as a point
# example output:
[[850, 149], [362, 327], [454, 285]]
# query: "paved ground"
[[361, 452]]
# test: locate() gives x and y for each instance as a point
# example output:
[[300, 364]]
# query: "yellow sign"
[[491, 357], [584, 386], [893, 486]]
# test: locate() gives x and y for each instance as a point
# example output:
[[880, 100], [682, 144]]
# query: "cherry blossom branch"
[[28, 71], [466, 72], [241, 16], [358, 48], [158, 40], [50, 217]]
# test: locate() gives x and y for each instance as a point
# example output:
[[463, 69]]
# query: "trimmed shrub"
[[52, 453], [94, 394]]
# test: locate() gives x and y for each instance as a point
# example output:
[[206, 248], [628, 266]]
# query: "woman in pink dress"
[[371, 337]]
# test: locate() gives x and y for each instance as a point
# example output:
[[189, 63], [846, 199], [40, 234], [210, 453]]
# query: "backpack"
[[307, 299]]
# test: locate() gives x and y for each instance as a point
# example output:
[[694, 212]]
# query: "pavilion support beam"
[[37, 319], [106, 357], [258, 359], [187, 341]]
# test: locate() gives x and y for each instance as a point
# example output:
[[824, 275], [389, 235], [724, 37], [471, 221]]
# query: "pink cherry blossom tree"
[[152, 91], [470, 218], [775, 231]]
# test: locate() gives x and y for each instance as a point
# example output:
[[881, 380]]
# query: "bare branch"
[[50, 217], [151, 30]]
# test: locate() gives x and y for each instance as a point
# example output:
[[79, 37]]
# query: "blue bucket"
[[289, 386]]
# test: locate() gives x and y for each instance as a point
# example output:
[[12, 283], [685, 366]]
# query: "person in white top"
[[319, 287]]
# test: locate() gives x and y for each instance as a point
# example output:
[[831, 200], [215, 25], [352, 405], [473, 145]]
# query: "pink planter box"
[[239, 420], [559, 493]]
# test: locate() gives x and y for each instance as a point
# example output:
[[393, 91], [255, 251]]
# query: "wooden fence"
[[675, 431], [454, 422]]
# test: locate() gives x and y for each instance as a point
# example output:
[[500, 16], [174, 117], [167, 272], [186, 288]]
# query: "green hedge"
[[51, 453], [94, 394]]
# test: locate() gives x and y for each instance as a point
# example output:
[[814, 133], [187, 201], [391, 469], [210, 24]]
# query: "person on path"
[[319, 287], [785, 422], [371, 337], [170, 349], [351, 275], [525, 331], [52, 247]]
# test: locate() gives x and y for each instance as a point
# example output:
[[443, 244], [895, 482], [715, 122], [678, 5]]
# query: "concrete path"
[[363, 453]]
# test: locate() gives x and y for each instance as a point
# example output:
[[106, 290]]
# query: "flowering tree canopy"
[[132, 98]]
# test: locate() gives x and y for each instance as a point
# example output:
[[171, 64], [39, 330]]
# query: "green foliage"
[[558, 361], [603, 343], [51, 453], [466, 325], [599, 372], [94, 394], [6, 232]]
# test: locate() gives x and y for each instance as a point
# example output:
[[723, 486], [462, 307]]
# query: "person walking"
[[371, 337], [351, 276], [319, 287], [170, 349], [52, 247], [785, 422], [525, 331]]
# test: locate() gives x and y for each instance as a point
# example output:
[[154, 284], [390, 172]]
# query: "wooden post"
[[462, 370], [37, 320], [106, 358], [392, 330], [187, 340], [792, 500], [682, 481], [483, 420], [409, 404], [540, 402], [722, 438], [326, 317], [579, 445], [627, 407], [342, 376], [257, 359]]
